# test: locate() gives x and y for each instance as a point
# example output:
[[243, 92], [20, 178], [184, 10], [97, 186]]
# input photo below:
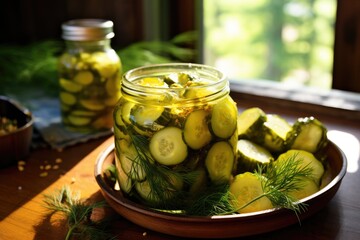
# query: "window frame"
[[344, 97]]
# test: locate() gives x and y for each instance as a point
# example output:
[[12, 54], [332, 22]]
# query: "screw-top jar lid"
[[87, 29]]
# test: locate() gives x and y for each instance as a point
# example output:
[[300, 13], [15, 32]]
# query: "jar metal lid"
[[87, 30]]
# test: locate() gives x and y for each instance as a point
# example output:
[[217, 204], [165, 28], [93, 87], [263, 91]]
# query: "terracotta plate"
[[237, 225]]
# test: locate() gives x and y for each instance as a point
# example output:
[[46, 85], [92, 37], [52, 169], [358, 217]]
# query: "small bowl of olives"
[[16, 129]]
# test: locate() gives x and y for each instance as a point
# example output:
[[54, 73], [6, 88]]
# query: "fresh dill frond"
[[280, 179], [277, 181], [78, 215], [213, 200], [163, 180]]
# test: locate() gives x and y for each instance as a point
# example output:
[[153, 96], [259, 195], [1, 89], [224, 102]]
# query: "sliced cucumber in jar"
[[151, 82], [124, 181], [307, 134], [125, 112], [199, 182], [196, 131], [130, 161], [155, 191], [67, 98], [93, 105], [145, 115], [224, 118], [168, 147], [78, 120], [118, 116], [252, 155], [120, 132], [84, 77], [146, 193], [70, 86], [219, 162]]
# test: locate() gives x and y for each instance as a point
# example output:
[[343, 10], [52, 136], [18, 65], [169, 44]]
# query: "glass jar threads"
[[175, 132], [89, 75]]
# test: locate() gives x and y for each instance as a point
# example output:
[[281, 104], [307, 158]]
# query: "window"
[[288, 41]]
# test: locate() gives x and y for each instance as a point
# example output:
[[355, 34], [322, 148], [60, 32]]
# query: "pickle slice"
[[196, 131], [103, 122], [70, 86], [144, 115], [224, 118], [92, 105], [219, 162], [112, 86], [167, 146], [78, 121], [125, 181], [67, 98], [151, 82], [245, 188], [84, 77], [83, 113]]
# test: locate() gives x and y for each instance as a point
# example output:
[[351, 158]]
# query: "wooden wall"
[[24, 21], [346, 71]]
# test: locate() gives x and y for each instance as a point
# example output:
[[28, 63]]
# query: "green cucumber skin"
[[219, 162], [196, 132], [167, 146], [299, 126], [251, 155]]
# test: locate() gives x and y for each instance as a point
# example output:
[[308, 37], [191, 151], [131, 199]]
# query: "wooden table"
[[23, 216]]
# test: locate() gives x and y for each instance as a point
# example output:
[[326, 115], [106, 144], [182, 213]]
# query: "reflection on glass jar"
[[90, 74], [175, 132]]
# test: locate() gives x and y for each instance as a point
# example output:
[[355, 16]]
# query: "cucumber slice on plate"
[[276, 129], [308, 187], [307, 134], [249, 123], [306, 160], [252, 155], [245, 188], [168, 147]]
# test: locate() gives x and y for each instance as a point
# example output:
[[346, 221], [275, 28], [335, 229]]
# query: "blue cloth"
[[46, 112]]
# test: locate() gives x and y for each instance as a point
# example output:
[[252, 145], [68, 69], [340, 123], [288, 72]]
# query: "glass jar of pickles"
[[175, 129], [89, 75]]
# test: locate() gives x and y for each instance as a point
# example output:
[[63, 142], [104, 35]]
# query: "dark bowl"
[[15, 146], [237, 225]]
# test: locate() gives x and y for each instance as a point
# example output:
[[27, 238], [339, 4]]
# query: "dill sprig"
[[162, 179], [78, 215], [282, 178], [213, 200], [277, 180]]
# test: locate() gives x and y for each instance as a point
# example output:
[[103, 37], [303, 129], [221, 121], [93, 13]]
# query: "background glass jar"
[[89, 75], [175, 131]]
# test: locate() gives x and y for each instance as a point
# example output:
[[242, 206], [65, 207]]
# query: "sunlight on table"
[[350, 145]]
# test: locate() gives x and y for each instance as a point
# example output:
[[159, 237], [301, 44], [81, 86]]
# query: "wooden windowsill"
[[328, 102]]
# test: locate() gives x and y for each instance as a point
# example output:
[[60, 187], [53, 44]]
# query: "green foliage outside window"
[[288, 41]]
